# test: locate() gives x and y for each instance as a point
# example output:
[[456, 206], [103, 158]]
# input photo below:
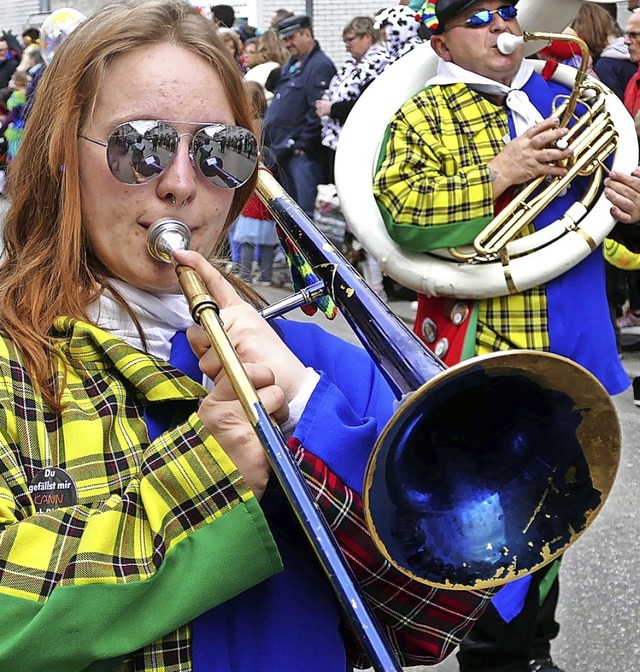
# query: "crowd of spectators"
[[309, 99], [20, 59]]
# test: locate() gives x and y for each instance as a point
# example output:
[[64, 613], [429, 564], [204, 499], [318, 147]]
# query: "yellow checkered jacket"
[[85, 585], [433, 173], [150, 522]]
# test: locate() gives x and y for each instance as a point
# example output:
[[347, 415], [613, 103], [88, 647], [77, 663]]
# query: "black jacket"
[[7, 68]]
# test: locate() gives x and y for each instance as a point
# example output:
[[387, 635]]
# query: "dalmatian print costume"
[[348, 84], [399, 23]]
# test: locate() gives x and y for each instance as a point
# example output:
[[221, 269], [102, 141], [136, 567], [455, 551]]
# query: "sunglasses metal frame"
[[224, 180]]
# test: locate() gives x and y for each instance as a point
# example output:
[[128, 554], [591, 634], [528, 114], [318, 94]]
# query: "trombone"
[[163, 238], [488, 470]]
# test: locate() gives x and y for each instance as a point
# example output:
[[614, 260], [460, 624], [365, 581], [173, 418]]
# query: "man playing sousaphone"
[[455, 154]]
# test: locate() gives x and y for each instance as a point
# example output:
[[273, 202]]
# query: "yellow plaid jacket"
[[433, 173], [160, 528], [133, 559]]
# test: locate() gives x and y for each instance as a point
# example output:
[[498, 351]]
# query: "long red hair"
[[47, 269]]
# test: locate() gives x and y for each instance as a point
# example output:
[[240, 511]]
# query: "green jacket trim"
[[426, 239], [224, 558]]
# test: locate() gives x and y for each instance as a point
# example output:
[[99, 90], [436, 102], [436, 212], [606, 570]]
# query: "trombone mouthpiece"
[[165, 236], [508, 43]]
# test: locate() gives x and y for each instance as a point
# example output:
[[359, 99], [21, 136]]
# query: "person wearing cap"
[[291, 126], [453, 156]]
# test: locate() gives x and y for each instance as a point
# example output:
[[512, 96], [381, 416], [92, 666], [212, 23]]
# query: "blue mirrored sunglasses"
[[138, 151], [485, 16]]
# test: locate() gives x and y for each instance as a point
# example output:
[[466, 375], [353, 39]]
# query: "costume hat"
[[436, 13]]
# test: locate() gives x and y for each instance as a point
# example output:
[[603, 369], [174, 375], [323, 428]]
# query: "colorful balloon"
[[56, 28]]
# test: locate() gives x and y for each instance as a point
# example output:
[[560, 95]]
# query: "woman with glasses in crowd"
[[367, 59], [264, 56], [140, 527]]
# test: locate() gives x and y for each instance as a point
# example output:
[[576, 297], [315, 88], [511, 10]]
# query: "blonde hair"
[[230, 35], [258, 102], [362, 25], [271, 48], [48, 268], [20, 78]]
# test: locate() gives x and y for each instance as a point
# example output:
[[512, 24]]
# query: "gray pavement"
[[599, 608]]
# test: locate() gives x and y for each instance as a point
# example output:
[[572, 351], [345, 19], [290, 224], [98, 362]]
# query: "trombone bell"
[[491, 470]]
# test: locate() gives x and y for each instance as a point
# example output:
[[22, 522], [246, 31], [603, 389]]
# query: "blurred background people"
[[13, 125], [8, 63], [264, 56], [291, 125], [367, 59], [223, 16], [624, 285], [613, 63], [280, 15], [254, 231], [30, 36], [31, 60], [234, 46]]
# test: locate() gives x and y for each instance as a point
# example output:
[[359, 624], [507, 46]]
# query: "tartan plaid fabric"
[[433, 172], [138, 503], [422, 624]]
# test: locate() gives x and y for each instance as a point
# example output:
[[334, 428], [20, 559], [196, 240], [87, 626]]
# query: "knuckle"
[[220, 413]]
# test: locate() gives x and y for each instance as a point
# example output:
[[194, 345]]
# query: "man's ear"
[[439, 44]]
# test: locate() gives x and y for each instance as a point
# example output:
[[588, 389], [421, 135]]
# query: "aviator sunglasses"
[[485, 16], [140, 150]]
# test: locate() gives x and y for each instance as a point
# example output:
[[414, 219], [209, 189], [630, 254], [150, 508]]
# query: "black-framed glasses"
[[349, 40], [485, 16], [632, 35], [140, 150]]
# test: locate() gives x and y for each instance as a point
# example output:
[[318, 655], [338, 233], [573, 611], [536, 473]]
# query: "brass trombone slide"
[[164, 237]]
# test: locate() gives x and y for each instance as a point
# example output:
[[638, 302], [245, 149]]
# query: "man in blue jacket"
[[291, 126]]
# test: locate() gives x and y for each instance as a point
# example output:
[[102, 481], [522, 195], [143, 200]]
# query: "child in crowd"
[[254, 229], [13, 123]]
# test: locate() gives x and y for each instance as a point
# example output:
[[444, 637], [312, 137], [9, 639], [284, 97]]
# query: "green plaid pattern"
[[433, 173], [134, 560]]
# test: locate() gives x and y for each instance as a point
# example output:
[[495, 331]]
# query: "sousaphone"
[[507, 263]]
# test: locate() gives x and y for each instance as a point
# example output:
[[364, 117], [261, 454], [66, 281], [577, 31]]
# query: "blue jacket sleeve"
[[350, 405]]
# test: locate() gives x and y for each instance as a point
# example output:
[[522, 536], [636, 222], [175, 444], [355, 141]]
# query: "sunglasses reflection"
[[225, 156]]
